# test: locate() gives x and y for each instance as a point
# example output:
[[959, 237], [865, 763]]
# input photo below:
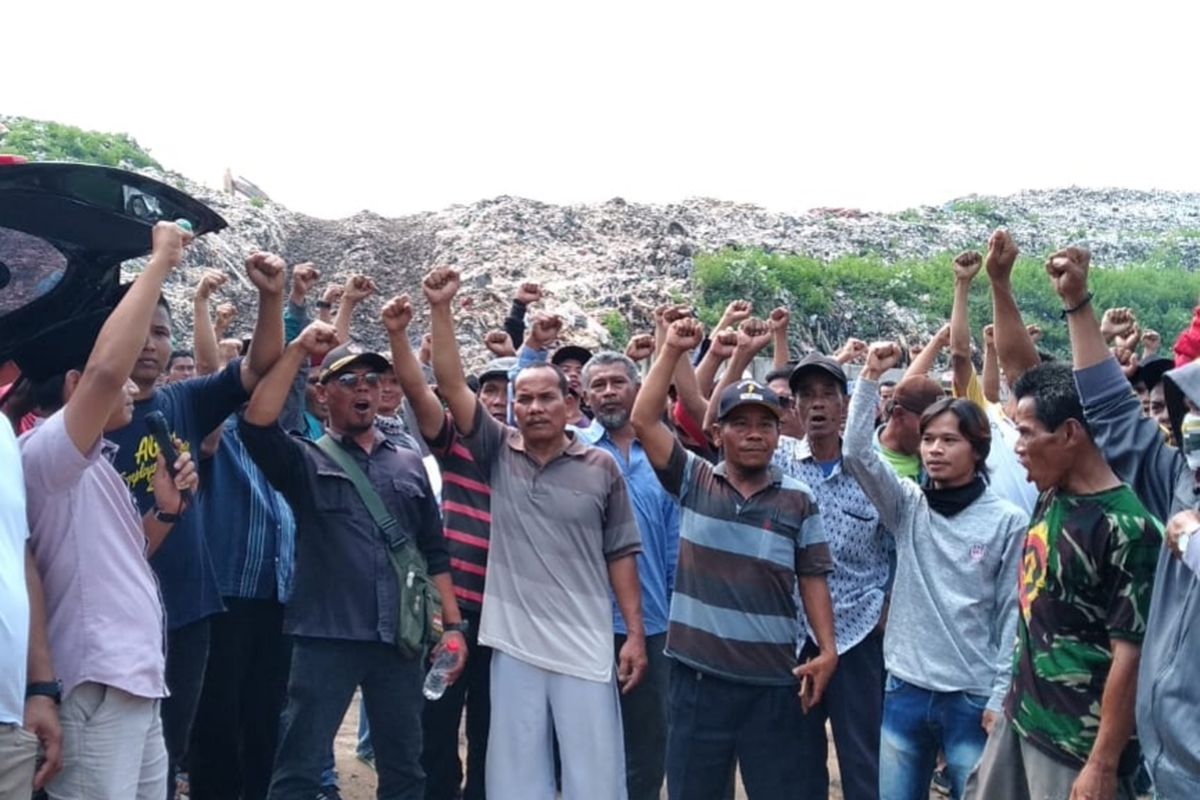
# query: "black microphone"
[[157, 424]]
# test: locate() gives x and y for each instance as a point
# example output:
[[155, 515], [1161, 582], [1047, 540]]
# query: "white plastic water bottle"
[[444, 662]]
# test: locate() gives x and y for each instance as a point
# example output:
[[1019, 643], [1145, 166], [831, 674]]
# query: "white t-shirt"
[[14, 597]]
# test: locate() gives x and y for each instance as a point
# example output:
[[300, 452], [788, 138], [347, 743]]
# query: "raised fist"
[[754, 334], [1117, 322], [544, 331], [397, 314], [852, 350], [226, 314], [167, 241], [941, 339], [967, 265], [304, 277], [1068, 271], [358, 288], [528, 293], [318, 338], [268, 272], [685, 334], [779, 318], [332, 294], [881, 356], [1002, 254], [640, 347], [1130, 339], [211, 281], [499, 343], [723, 343], [672, 313], [1035, 333], [735, 312], [989, 335], [1151, 342], [441, 285]]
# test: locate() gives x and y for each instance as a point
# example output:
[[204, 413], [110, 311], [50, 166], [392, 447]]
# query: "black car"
[[65, 229]]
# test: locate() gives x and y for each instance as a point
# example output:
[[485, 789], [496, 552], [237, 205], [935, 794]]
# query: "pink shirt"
[[104, 616]]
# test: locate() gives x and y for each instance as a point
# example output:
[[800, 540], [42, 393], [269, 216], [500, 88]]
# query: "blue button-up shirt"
[[657, 515], [861, 546]]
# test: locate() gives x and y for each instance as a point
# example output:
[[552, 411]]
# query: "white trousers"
[[530, 707], [18, 756], [112, 746]]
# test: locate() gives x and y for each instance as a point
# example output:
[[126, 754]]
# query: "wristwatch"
[[51, 689], [165, 517], [459, 627]]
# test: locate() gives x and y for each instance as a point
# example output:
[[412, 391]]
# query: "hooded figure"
[[1168, 692]]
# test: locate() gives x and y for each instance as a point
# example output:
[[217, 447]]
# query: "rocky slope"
[[628, 257]]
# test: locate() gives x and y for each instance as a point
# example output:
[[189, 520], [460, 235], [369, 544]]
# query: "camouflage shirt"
[[1085, 579]]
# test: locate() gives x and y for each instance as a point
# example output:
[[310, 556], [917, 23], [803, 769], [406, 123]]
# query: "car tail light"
[[6, 160]]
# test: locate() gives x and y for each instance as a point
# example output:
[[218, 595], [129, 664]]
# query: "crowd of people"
[[630, 570]]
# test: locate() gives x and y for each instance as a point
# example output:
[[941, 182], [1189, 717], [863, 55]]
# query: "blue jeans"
[[916, 724], [324, 675], [713, 721]]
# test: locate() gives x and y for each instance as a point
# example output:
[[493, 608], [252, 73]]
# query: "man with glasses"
[[342, 612]]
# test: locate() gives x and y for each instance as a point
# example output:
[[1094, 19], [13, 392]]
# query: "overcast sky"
[[333, 107]]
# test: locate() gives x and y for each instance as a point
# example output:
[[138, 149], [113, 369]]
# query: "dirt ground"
[[358, 781]]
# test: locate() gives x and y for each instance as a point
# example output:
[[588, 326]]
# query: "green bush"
[[257, 202], [51, 141], [1161, 294], [617, 328]]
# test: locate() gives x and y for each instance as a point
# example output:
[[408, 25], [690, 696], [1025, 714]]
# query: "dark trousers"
[[713, 721], [644, 718], [187, 656], [237, 724], [853, 704], [439, 757], [324, 674]]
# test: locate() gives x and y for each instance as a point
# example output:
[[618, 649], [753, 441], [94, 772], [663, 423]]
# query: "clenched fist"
[[967, 266], [881, 356], [499, 343], [735, 312], [397, 314], [852, 350], [211, 281], [358, 288], [318, 338], [1001, 256], [779, 319], [544, 331], [304, 277], [167, 243], [685, 334], [528, 293], [640, 347], [441, 285], [753, 335], [268, 273], [1068, 271]]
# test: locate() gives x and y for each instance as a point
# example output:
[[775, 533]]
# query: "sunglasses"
[[351, 380]]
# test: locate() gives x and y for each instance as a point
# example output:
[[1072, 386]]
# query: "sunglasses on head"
[[350, 380]]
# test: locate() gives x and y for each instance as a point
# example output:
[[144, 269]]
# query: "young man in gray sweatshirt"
[[948, 644], [1166, 481]]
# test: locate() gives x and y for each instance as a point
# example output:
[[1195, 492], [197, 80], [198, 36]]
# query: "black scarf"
[[949, 502]]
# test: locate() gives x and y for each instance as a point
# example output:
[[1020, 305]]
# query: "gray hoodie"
[[1168, 701], [953, 619]]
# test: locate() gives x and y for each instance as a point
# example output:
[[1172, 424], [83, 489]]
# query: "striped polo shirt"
[[466, 515], [733, 613]]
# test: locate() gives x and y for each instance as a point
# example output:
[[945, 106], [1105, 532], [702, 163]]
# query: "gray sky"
[[333, 107]]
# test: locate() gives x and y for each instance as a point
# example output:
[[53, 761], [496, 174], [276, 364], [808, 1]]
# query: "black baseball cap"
[[571, 352], [748, 393], [351, 354], [1151, 373], [818, 362]]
